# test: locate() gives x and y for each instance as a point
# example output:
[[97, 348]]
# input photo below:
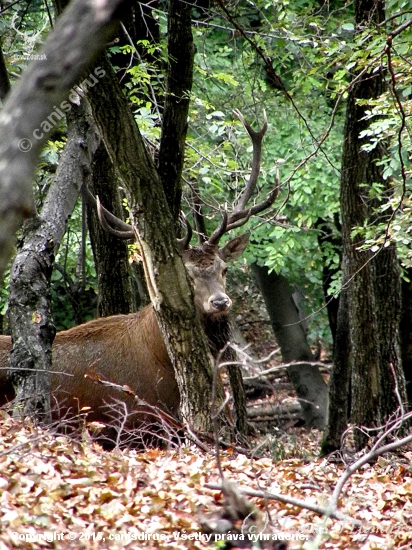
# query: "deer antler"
[[183, 243], [241, 213], [109, 222], [117, 227], [120, 229], [257, 138]]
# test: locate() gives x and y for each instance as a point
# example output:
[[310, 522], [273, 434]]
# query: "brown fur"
[[100, 347], [129, 350]]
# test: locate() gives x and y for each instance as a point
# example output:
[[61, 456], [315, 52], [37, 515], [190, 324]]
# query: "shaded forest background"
[[331, 78]]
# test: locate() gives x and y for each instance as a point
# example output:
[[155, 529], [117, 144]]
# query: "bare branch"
[[367, 457], [289, 500]]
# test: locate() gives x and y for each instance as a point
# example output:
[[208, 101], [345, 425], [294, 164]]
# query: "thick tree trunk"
[[339, 382], [31, 325], [372, 280], [406, 333], [111, 258], [165, 273], [307, 380], [181, 52]]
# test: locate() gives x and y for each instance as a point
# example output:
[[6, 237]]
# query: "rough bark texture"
[[32, 328], [71, 47], [181, 52], [165, 273], [406, 333], [179, 84], [31, 324], [339, 382], [115, 293], [307, 380], [373, 281]]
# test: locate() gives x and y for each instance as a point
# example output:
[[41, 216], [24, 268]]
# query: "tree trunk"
[[372, 280], [71, 47], [32, 328], [181, 52], [31, 325], [169, 288], [339, 382], [307, 380], [111, 258], [406, 333]]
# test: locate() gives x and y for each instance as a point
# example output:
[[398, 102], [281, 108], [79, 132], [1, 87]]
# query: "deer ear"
[[234, 248]]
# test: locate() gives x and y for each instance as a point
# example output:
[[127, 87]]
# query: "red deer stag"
[[129, 349]]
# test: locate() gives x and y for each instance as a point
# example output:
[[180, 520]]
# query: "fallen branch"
[[294, 502], [270, 410], [368, 457], [281, 366]]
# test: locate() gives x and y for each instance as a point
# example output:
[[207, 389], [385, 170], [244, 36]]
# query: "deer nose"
[[221, 304]]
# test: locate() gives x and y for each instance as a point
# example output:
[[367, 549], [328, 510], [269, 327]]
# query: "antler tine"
[[219, 231], [241, 213], [238, 221], [256, 137], [123, 231], [270, 199], [183, 243]]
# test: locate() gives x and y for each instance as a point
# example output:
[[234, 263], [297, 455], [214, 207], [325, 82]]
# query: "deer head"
[[206, 264]]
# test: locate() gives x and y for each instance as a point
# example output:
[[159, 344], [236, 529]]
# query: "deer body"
[[129, 350], [124, 349]]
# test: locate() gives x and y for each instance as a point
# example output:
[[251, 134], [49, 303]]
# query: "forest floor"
[[57, 493]]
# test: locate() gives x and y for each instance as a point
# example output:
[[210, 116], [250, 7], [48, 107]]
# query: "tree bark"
[[31, 324], [339, 382], [406, 333], [372, 280], [71, 47], [111, 258], [307, 380], [32, 329], [181, 52], [169, 288]]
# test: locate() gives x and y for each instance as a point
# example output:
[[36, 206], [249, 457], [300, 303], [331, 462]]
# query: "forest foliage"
[[240, 53], [297, 61]]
